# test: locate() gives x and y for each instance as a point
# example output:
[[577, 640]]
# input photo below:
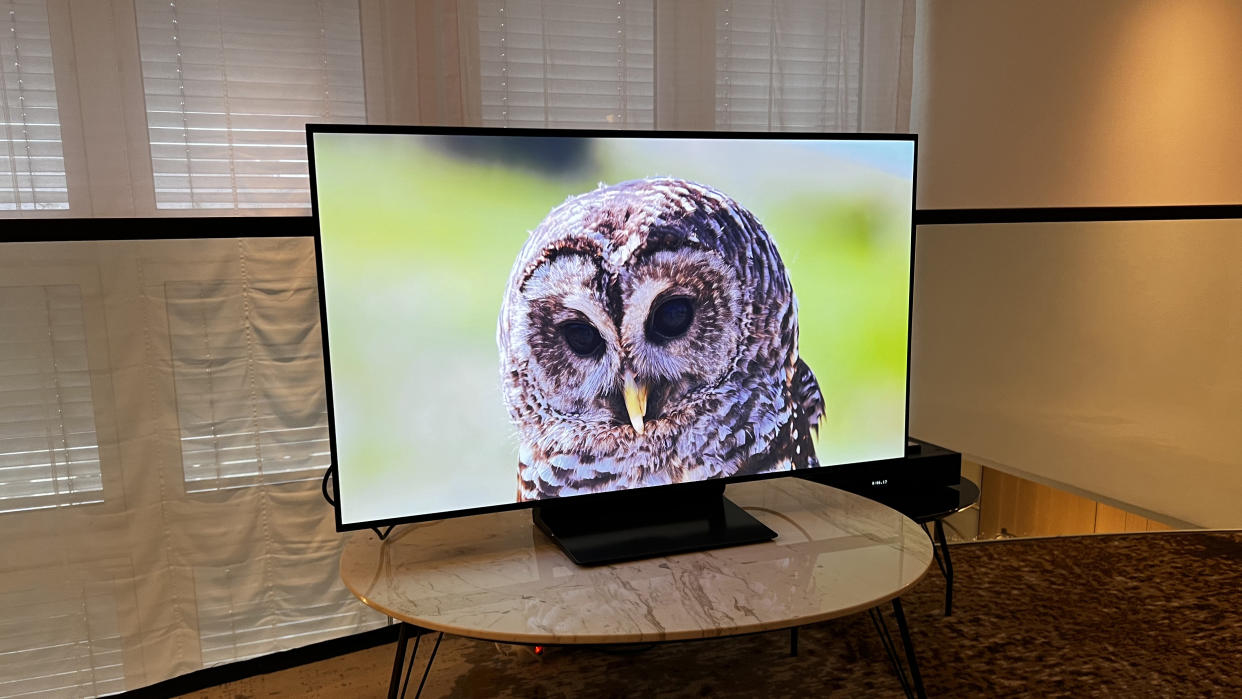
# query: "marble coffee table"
[[496, 577]]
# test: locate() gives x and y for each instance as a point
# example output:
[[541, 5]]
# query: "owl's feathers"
[[648, 335]]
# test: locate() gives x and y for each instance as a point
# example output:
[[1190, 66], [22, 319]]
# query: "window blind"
[[248, 373], [567, 64], [790, 65], [230, 86], [49, 453], [32, 163], [59, 636]]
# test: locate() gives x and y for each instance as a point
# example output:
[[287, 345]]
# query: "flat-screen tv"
[[517, 318]]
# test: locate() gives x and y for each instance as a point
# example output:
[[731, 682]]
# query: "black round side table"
[[932, 506]]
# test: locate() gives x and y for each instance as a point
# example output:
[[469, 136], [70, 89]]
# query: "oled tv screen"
[[516, 317]]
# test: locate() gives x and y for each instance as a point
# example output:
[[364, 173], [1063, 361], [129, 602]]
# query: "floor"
[[1131, 615]]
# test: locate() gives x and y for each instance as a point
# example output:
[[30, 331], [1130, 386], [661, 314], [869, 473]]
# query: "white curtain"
[[178, 523], [162, 426]]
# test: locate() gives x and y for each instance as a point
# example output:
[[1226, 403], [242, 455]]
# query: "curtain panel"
[[162, 407], [181, 525]]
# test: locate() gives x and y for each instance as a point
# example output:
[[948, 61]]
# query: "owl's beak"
[[635, 401]]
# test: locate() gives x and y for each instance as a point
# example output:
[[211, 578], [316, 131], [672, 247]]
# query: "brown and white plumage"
[[649, 335]]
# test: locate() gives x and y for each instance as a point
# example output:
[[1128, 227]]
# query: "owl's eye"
[[671, 319], [582, 338]]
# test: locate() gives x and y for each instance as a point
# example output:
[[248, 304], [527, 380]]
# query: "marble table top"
[[496, 577]]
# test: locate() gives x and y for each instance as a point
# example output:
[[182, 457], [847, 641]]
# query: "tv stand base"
[[636, 524]]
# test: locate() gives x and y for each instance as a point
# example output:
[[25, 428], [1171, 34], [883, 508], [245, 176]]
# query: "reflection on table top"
[[497, 577]]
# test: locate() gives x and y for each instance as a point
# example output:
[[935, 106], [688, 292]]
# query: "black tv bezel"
[[847, 471]]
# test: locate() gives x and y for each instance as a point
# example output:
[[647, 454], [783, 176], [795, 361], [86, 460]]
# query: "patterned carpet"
[[1132, 615]]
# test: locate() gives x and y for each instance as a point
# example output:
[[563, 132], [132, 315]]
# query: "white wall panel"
[[1102, 357]]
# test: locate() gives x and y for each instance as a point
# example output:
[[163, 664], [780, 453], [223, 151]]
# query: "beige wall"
[[1102, 358], [1070, 103]]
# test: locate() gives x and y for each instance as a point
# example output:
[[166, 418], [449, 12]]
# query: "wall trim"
[[175, 227], [1057, 214], [34, 230]]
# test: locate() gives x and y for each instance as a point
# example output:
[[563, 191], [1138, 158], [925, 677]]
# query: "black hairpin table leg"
[[946, 567], [427, 670], [905, 640], [886, 640], [397, 685], [403, 636], [913, 686]]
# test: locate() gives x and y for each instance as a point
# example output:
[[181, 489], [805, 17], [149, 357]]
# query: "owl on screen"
[[649, 335]]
